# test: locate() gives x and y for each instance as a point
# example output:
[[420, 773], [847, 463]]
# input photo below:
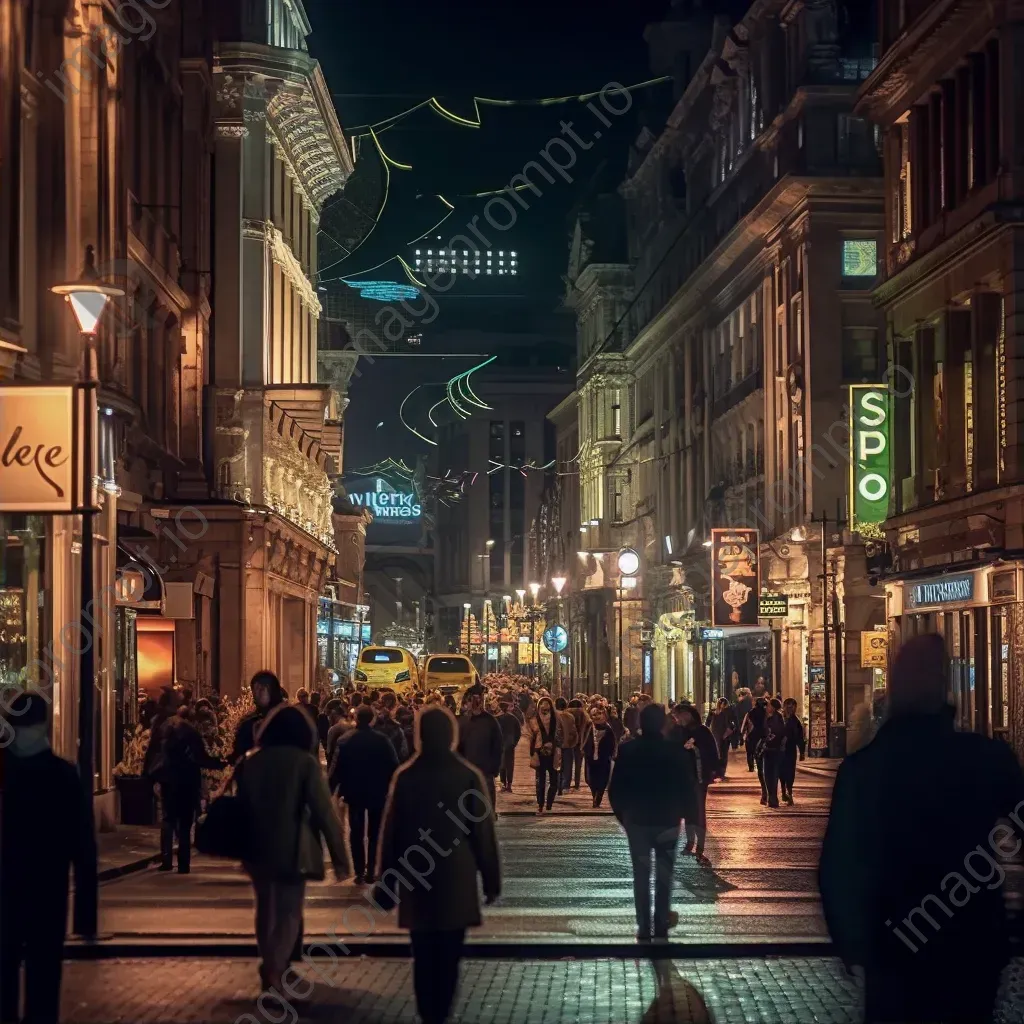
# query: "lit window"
[[417, 252], [513, 271], [514, 254], [465, 270], [443, 252], [860, 257], [430, 252], [502, 253], [489, 271], [465, 252], [501, 271], [439, 238]]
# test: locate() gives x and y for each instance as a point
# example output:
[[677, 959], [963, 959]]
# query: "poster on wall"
[[817, 718], [735, 577]]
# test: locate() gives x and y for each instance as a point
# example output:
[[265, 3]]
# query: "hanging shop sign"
[[40, 468], [874, 648], [942, 591], [710, 633], [735, 577], [870, 459], [773, 606], [556, 639]]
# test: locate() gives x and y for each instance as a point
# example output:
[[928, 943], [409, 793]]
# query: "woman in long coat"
[[286, 796], [546, 751], [433, 880], [598, 753]]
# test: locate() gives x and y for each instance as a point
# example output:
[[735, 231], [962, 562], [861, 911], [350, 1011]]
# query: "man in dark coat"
[[752, 729], [364, 761], [438, 835], [910, 874], [387, 725], [744, 703], [652, 789], [45, 829], [511, 733], [772, 747], [176, 766], [266, 695], [702, 751], [480, 741], [570, 741], [582, 723], [794, 744]]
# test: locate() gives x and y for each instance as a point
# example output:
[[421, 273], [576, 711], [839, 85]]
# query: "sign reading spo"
[[39, 458], [870, 457]]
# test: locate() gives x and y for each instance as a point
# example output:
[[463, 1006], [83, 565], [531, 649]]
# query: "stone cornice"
[[283, 256]]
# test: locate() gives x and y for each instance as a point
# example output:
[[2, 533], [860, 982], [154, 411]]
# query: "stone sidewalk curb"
[[197, 947], [120, 870]]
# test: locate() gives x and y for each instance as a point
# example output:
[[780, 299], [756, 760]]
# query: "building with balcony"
[[753, 220], [945, 98]]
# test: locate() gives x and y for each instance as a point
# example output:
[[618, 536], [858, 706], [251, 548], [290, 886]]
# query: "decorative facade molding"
[[282, 255], [232, 131]]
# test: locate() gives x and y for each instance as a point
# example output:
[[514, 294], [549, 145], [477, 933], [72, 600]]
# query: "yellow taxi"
[[449, 673], [392, 668]]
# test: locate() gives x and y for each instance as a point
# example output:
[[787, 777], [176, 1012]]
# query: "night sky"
[[382, 58]]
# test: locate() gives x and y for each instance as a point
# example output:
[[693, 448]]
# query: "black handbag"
[[225, 830]]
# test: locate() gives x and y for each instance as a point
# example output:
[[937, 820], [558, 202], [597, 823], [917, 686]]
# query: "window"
[[860, 257]]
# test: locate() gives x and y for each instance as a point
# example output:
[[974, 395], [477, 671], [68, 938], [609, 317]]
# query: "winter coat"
[[794, 730], [653, 783], [511, 730], [537, 739], [631, 718], [364, 761], [334, 734], [704, 754], [615, 723], [722, 725], [426, 795], [480, 742], [290, 809], [570, 734], [743, 708], [581, 720], [387, 726], [753, 724], [605, 746], [176, 758], [774, 734], [908, 877]]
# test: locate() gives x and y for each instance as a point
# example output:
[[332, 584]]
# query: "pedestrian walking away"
[[742, 707], [598, 752], [480, 739], [723, 726], [582, 722], [546, 752], [570, 740], [769, 753], [910, 873], [511, 733], [364, 761], [46, 830], [753, 732], [385, 723], [176, 768], [794, 744], [290, 813], [699, 743], [438, 804], [652, 790]]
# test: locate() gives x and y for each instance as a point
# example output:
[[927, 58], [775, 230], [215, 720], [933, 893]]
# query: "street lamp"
[[488, 546], [629, 565], [88, 298], [466, 608]]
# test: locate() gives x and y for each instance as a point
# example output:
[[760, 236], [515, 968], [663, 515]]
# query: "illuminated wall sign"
[[860, 257], [39, 469], [556, 638], [870, 462], [388, 505], [711, 633], [735, 577], [945, 590], [772, 606], [874, 648]]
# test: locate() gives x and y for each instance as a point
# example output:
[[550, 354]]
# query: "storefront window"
[[999, 709], [23, 553]]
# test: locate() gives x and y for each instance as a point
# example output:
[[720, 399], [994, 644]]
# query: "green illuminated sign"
[[870, 461]]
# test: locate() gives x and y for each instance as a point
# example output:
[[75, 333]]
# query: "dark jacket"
[[364, 761], [910, 837], [44, 831], [743, 708], [631, 718], [755, 717], [704, 754], [582, 720], [774, 734], [653, 783], [722, 725], [605, 748], [429, 796], [336, 731], [511, 730], [388, 727], [794, 729], [176, 758], [480, 742]]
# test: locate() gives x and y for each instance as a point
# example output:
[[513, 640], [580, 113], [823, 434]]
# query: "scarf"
[[31, 740], [545, 736]]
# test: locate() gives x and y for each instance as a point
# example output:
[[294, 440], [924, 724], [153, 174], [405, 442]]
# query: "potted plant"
[[134, 790]]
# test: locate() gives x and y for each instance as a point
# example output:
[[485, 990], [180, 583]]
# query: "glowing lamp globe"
[[88, 296]]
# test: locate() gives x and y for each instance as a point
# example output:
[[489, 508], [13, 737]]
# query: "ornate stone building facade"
[[750, 312], [946, 95]]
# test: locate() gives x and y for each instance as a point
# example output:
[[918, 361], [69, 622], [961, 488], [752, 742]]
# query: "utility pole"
[[832, 701]]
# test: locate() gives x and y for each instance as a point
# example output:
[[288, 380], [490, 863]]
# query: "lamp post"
[[487, 605], [534, 591], [629, 565], [466, 610], [558, 582], [506, 618], [521, 594], [88, 298]]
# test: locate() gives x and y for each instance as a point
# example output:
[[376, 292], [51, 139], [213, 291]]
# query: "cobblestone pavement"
[[567, 878], [362, 991]]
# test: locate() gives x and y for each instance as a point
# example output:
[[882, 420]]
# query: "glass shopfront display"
[[24, 550]]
